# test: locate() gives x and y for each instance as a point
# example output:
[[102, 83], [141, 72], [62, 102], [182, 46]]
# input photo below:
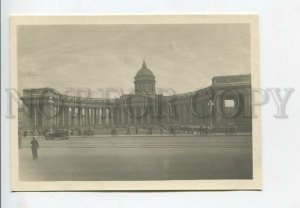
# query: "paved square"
[[138, 158]]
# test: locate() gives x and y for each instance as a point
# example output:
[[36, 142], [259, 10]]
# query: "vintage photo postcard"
[[134, 103]]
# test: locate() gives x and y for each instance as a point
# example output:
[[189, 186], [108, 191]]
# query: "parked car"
[[57, 134]]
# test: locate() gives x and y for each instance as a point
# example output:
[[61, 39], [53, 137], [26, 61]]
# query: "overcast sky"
[[182, 57]]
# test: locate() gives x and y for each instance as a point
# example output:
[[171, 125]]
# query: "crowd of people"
[[86, 131], [33, 132], [173, 130], [82, 132], [146, 130]]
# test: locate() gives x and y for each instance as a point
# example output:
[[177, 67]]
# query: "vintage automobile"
[[57, 134]]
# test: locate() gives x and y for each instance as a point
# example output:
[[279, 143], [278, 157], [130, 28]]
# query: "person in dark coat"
[[128, 131], [34, 148], [161, 130]]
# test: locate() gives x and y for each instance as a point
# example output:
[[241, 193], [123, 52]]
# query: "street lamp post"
[[211, 104], [51, 112]]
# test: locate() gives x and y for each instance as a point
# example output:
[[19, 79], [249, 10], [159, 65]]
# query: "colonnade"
[[98, 116], [68, 116], [115, 114]]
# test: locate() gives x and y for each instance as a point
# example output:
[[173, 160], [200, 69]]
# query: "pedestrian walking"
[[128, 131], [34, 148], [136, 130]]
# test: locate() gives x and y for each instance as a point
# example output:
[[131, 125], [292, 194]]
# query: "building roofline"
[[236, 75]]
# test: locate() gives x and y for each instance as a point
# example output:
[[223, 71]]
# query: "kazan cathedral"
[[226, 102]]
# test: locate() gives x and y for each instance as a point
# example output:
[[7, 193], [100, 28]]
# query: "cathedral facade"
[[226, 102]]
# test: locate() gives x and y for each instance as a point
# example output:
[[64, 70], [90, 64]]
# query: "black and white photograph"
[[135, 103]]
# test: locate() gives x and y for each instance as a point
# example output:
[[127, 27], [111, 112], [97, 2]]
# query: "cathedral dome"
[[144, 74], [144, 81]]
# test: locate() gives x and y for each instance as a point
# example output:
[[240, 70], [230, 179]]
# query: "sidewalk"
[[147, 135], [161, 135]]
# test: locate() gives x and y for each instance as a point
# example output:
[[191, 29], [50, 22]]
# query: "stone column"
[[86, 116], [183, 113], [55, 117], [140, 111], [97, 116], [100, 116], [93, 116], [68, 112], [61, 117], [142, 115], [121, 116], [178, 111], [130, 119], [104, 113], [89, 120], [90, 116], [35, 117], [186, 114], [67, 116], [80, 116], [45, 115], [74, 116], [135, 112], [148, 115], [119, 113], [71, 115], [112, 116], [107, 114]]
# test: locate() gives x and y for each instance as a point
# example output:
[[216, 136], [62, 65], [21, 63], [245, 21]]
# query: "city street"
[[138, 158]]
